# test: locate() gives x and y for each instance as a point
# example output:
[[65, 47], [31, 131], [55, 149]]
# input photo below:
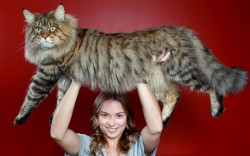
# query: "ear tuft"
[[59, 12], [29, 17]]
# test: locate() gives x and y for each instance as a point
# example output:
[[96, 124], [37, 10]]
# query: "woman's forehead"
[[112, 106]]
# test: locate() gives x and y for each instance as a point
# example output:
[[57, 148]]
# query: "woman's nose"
[[111, 121]]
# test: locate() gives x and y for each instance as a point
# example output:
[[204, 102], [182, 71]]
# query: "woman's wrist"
[[144, 80], [75, 84]]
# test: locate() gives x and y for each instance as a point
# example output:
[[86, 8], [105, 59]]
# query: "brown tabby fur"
[[116, 62]]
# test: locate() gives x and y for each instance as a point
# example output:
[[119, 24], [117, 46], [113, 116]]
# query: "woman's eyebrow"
[[121, 113], [103, 112]]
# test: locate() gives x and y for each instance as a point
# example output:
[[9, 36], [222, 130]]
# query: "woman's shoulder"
[[138, 148], [85, 136], [85, 139], [138, 145]]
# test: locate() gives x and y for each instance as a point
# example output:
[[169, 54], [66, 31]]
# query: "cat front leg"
[[62, 86], [41, 85]]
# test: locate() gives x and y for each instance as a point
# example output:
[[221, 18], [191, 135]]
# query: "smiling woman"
[[111, 117], [112, 120], [114, 131]]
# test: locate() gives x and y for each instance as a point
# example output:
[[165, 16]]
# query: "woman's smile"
[[112, 119], [112, 130]]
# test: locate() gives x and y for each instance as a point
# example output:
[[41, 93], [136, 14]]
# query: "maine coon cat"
[[116, 62]]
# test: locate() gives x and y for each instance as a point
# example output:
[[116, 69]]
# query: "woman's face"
[[112, 119]]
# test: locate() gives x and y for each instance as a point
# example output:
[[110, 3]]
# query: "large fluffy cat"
[[116, 62]]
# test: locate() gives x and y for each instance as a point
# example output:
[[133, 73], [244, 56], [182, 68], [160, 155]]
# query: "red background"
[[223, 25]]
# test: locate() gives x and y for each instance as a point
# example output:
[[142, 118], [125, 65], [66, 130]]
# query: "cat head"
[[48, 36]]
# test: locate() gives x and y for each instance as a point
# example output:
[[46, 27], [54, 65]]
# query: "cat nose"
[[45, 35]]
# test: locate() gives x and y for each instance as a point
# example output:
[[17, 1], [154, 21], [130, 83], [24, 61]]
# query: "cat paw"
[[50, 120], [165, 122], [217, 112], [20, 120]]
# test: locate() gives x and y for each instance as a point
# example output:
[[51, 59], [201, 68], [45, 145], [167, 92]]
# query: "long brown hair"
[[130, 134]]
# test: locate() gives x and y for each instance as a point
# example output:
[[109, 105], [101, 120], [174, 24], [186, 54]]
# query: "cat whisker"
[[20, 47]]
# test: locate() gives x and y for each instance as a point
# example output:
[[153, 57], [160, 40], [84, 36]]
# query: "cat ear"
[[29, 17], [59, 12]]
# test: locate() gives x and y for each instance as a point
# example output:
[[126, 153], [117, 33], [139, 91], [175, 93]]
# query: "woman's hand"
[[162, 58], [75, 83]]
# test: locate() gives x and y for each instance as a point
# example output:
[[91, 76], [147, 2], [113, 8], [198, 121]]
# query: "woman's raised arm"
[[152, 114], [151, 110], [66, 138]]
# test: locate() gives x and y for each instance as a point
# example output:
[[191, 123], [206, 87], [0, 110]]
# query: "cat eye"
[[38, 29], [52, 29]]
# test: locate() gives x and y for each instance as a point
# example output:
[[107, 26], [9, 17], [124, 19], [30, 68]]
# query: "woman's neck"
[[112, 143], [112, 147]]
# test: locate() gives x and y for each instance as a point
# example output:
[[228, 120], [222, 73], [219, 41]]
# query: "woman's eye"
[[119, 116], [104, 115], [52, 29]]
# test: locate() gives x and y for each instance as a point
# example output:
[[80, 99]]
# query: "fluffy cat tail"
[[229, 80]]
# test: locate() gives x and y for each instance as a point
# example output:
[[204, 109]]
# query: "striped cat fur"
[[116, 62]]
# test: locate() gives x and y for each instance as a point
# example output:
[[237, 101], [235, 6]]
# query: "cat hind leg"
[[165, 91], [169, 102], [217, 107]]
